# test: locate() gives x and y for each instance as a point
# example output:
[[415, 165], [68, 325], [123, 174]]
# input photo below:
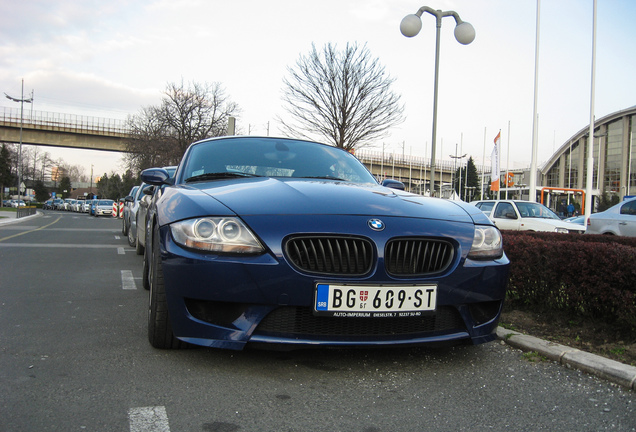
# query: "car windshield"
[[535, 210], [270, 157], [105, 202]]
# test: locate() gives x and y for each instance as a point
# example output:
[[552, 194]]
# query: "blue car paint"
[[307, 197], [274, 209]]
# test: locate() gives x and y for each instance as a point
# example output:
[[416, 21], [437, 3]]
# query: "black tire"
[[145, 277], [124, 228], [159, 327], [132, 241]]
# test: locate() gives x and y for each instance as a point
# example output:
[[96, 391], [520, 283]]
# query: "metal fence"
[[395, 159], [63, 122], [25, 211]]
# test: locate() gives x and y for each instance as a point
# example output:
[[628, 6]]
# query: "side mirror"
[[149, 190], [393, 184], [510, 215], [128, 198], [155, 176]]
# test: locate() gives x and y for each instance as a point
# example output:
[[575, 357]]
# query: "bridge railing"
[[415, 162], [63, 122], [10, 116]]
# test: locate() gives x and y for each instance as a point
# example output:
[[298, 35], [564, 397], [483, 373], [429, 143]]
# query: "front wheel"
[[145, 277], [132, 241], [159, 327]]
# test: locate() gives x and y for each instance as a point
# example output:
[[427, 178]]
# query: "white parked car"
[[525, 216], [104, 207], [617, 220]]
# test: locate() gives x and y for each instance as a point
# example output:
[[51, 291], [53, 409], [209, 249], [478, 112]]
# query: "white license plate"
[[374, 301]]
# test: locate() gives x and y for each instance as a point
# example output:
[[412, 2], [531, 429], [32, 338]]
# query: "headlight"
[[487, 244], [216, 234], [562, 230]]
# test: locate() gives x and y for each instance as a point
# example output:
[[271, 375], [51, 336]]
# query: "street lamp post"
[[455, 170], [464, 33], [22, 100]]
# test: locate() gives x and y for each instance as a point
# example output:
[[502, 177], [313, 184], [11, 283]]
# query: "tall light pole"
[[464, 33], [535, 126], [22, 100], [455, 170], [590, 140]]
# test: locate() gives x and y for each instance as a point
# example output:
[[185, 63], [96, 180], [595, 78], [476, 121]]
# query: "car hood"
[[556, 223], [272, 196]]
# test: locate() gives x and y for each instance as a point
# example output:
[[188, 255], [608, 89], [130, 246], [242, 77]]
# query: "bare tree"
[[343, 96], [197, 112], [186, 114], [151, 144], [73, 172], [46, 162]]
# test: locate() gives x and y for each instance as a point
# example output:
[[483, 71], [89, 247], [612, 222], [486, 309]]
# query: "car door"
[[627, 219], [505, 216]]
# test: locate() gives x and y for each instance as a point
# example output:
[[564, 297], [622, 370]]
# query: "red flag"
[[494, 161]]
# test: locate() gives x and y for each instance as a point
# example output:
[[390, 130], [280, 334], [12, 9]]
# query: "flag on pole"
[[494, 160]]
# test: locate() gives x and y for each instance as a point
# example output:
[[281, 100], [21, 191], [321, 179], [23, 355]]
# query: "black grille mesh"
[[297, 321], [331, 255], [418, 256]]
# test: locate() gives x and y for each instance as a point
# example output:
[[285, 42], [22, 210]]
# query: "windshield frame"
[[271, 157]]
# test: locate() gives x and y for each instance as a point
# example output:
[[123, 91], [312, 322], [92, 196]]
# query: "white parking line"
[[117, 237], [148, 419], [120, 251], [127, 280]]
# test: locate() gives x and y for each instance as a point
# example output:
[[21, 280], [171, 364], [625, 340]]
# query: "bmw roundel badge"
[[376, 224]]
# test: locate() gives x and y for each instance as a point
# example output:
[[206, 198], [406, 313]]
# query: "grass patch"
[[508, 326], [534, 357]]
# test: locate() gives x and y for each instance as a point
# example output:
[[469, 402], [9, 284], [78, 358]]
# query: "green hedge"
[[588, 276]]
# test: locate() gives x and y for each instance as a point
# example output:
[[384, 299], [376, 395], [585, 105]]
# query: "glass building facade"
[[614, 161]]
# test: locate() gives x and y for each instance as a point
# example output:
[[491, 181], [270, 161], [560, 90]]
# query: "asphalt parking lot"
[[74, 356]]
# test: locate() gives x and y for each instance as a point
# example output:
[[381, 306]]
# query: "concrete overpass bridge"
[[95, 133], [62, 130]]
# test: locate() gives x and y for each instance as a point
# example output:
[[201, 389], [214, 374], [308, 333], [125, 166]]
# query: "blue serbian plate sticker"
[[374, 301]]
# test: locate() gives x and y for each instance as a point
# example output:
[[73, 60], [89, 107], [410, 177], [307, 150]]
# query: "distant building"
[[614, 159]]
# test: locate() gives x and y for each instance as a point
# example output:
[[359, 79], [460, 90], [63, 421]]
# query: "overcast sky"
[[110, 58]]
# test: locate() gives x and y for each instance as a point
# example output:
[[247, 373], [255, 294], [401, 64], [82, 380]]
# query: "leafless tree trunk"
[[343, 97]]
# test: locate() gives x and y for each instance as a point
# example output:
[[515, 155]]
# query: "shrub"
[[591, 276]]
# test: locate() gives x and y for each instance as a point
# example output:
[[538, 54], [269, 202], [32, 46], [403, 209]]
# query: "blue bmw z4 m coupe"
[[290, 244]]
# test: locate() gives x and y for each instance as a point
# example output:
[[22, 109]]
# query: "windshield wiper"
[[218, 175], [327, 177]]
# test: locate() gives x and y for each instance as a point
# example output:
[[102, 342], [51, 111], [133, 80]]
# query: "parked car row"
[[13, 203], [94, 207], [528, 216], [525, 216], [136, 204], [67, 204]]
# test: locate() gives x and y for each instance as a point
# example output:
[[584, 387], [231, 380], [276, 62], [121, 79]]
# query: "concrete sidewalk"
[[611, 370], [10, 217]]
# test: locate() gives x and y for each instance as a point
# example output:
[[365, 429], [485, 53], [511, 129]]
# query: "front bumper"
[[229, 302]]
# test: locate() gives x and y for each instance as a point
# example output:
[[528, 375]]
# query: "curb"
[[12, 220], [611, 370]]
